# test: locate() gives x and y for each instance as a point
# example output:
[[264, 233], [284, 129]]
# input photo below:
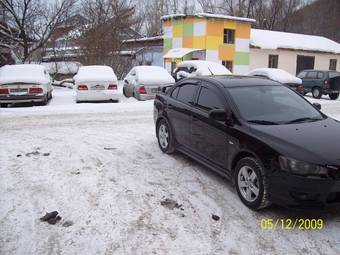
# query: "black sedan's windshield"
[[270, 105]]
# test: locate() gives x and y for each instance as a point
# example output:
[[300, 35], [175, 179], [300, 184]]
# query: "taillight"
[[325, 84], [35, 90], [112, 87], [4, 91], [142, 90], [82, 87]]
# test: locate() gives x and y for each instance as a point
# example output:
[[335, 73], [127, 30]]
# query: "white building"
[[292, 52]]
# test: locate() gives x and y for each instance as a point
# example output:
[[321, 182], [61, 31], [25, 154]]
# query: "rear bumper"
[[146, 96], [22, 98], [298, 191], [97, 96]]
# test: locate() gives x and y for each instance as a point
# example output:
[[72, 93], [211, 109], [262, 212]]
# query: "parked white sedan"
[[24, 84], [96, 83], [142, 82], [281, 76]]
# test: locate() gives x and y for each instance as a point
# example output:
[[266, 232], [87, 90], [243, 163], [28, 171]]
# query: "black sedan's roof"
[[241, 81]]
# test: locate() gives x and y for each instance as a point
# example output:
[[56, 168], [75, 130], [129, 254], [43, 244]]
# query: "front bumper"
[[7, 99], [298, 191]]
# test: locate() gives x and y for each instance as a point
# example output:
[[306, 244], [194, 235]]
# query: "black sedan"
[[273, 144]]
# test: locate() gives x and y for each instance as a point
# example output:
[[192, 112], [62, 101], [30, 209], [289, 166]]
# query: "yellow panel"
[[230, 24], [214, 42], [199, 42], [226, 52], [215, 27], [188, 42], [242, 30], [177, 30]]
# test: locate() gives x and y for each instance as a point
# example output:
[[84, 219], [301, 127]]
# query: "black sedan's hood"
[[315, 142]]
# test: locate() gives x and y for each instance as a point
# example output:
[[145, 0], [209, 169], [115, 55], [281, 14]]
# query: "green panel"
[[168, 44], [188, 29], [187, 56], [242, 58]]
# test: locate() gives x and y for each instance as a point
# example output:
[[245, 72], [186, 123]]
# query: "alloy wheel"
[[163, 135], [248, 183]]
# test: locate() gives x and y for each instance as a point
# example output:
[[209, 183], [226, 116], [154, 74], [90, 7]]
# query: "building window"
[[228, 65], [332, 64], [273, 61], [229, 36]]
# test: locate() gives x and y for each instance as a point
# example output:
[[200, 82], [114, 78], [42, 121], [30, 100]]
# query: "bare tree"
[[33, 22], [102, 37]]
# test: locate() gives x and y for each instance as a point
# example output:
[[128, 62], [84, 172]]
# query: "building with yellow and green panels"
[[219, 38]]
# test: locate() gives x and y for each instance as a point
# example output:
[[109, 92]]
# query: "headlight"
[[301, 168]]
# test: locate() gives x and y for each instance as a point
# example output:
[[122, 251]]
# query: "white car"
[[190, 68], [24, 83], [96, 83], [143, 82], [281, 76]]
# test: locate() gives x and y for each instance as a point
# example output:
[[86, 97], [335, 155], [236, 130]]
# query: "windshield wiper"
[[303, 120], [263, 122]]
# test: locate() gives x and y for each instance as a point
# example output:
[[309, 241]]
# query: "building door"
[[304, 62]]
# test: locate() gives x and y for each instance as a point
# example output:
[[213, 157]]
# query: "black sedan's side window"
[[175, 92], [186, 93], [208, 100]]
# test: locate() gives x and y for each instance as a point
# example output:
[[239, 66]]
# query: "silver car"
[[143, 82]]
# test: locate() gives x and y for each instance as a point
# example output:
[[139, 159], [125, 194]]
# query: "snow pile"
[[153, 75], [95, 73], [62, 67], [272, 40], [27, 73], [205, 67], [276, 75]]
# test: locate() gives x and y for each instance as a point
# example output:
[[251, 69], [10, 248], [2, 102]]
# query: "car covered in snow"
[[281, 76], [96, 83], [321, 82], [24, 83], [191, 68], [143, 82]]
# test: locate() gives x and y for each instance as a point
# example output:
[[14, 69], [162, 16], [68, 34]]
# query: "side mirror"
[[221, 115], [317, 105]]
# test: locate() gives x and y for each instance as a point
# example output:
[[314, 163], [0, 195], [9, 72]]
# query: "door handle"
[[194, 118], [170, 106]]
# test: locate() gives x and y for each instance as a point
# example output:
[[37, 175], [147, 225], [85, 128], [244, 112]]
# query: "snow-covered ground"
[[100, 167]]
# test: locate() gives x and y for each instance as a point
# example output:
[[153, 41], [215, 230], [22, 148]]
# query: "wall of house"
[[288, 58], [207, 34]]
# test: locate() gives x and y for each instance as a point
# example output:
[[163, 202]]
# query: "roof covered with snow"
[[207, 15], [272, 40], [276, 75], [205, 67], [95, 73], [179, 52], [26, 73], [153, 75]]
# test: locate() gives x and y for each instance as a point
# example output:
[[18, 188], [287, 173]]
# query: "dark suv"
[[321, 83], [258, 133]]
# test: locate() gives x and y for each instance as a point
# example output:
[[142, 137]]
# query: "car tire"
[[316, 92], [4, 105], [333, 96], [124, 93], [251, 183], [45, 100], [165, 137]]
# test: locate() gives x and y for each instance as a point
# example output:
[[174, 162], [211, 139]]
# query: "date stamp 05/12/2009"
[[291, 224]]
